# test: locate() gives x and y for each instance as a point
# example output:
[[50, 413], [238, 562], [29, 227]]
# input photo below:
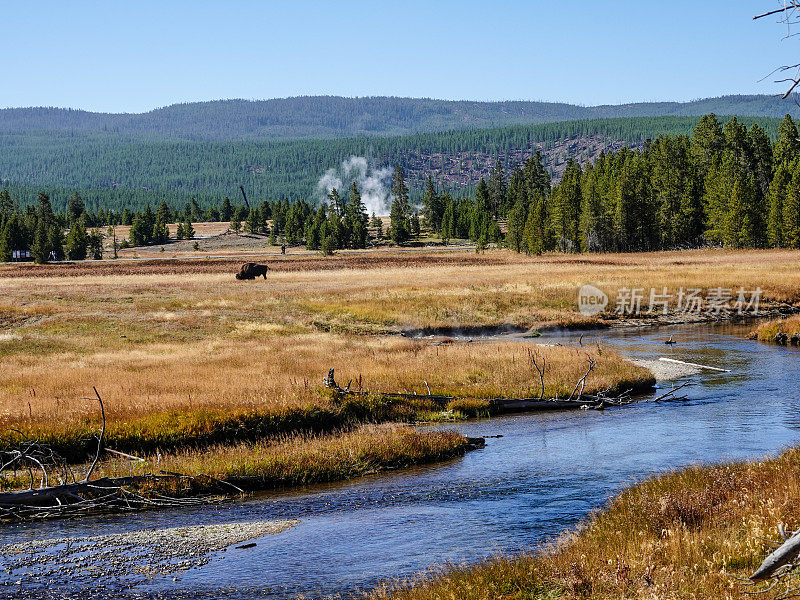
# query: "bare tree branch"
[[100, 439]]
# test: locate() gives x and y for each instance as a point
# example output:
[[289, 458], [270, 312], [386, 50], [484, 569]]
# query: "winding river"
[[543, 475]]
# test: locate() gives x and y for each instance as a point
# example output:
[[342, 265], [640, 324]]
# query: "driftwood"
[[100, 439], [691, 364], [577, 400], [87, 495], [778, 565], [103, 495]]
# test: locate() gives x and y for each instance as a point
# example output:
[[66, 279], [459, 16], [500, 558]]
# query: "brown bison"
[[251, 271]]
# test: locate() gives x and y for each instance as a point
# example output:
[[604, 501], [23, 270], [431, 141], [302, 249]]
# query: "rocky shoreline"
[[123, 560]]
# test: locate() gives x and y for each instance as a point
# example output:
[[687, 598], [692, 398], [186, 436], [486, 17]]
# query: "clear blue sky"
[[134, 56]]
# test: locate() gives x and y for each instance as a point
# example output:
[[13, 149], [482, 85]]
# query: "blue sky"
[[134, 56]]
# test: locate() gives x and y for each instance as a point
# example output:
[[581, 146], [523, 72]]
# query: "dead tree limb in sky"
[[789, 15]]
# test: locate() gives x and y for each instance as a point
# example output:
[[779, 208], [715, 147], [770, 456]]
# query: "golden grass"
[[177, 354], [686, 534], [291, 460], [187, 394], [305, 459], [767, 331]]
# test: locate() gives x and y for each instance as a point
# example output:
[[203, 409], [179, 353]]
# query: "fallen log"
[[500, 405], [691, 364], [106, 494], [782, 560]]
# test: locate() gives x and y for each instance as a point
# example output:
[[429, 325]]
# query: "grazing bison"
[[252, 270]]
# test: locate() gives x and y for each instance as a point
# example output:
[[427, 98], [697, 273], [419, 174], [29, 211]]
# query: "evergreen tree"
[[196, 213], [226, 212], [516, 226], [95, 244], [432, 207], [448, 228], [41, 243], [77, 241], [708, 142], [787, 146], [212, 215], [252, 222], [536, 175], [481, 213], [497, 191], [188, 230], [737, 143], [416, 228], [791, 211], [776, 198], [160, 230], [236, 223], [75, 208], [6, 205], [566, 208], [531, 235], [356, 219], [593, 229], [330, 231], [761, 156], [45, 239], [313, 232], [141, 233], [163, 213], [741, 227], [401, 209], [718, 191], [12, 237], [294, 229], [56, 241]]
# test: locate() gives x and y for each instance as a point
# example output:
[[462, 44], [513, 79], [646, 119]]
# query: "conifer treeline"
[[722, 185], [115, 172], [727, 186]]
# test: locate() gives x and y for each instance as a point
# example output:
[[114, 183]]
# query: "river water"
[[543, 475]]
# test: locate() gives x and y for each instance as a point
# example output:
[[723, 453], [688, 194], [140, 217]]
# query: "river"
[[543, 475]]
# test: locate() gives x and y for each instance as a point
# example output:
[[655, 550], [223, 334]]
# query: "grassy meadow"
[[187, 358]]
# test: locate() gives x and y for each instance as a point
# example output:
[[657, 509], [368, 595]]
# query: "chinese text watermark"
[[655, 301]]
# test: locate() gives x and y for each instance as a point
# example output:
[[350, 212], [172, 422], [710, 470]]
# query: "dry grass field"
[[183, 354], [298, 459]]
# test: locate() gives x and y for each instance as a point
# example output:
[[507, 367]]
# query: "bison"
[[252, 270]]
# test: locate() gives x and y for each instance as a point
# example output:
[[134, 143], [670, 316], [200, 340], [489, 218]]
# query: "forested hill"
[[331, 116], [118, 173]]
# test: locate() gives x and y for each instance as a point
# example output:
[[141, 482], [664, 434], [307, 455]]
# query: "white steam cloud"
[[372, 183]]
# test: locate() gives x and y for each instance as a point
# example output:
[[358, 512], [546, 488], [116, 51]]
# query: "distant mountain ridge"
[[333, 116]]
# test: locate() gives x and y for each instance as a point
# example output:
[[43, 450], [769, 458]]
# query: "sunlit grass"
[[185, 356], [177, 395], [767, 331], [304, 459]]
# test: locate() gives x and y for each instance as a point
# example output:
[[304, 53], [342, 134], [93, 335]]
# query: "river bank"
[[543, 476], [132, 557], [695, 533]]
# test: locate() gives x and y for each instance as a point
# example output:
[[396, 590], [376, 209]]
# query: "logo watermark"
[[639, 300], [591, 300]]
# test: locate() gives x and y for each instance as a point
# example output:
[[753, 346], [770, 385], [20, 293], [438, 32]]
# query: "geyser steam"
[[372, 183]]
